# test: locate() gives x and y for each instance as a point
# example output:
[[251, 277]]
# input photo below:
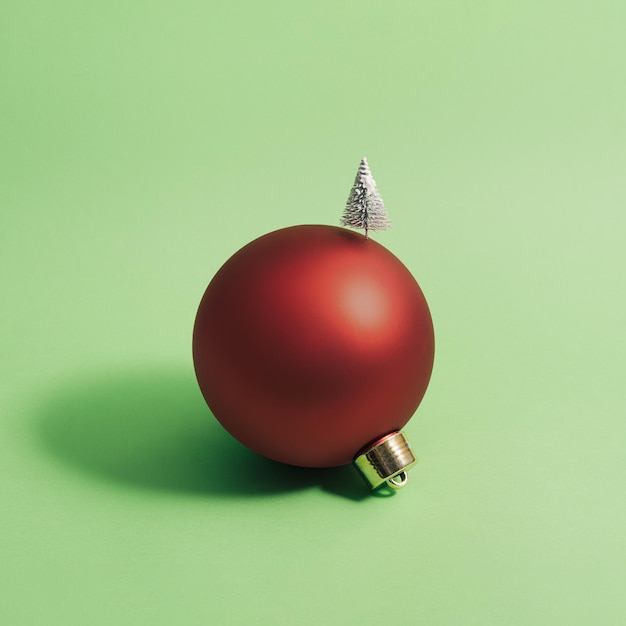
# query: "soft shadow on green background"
[[151, 430]]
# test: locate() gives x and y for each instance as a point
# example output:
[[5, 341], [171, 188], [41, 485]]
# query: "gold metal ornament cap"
[[386, 461]]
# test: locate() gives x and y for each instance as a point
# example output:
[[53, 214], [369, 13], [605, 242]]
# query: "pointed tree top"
[[365, 208], [366, 176]]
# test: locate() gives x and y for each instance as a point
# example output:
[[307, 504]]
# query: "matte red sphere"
[[310, 343]]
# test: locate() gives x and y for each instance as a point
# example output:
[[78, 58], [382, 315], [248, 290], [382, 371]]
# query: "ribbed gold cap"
[[386, 461]]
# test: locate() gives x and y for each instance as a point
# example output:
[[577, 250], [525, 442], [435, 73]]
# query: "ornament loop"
[[398, 481]]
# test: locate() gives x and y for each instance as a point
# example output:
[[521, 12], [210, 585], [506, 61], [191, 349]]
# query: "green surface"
[[142, 143]]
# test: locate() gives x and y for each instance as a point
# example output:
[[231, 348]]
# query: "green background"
[[142, 143]]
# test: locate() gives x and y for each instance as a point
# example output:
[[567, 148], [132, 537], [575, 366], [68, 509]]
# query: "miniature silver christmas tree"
[[365, 208]]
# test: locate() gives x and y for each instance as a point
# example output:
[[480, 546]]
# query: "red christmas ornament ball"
[[312, 342]]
